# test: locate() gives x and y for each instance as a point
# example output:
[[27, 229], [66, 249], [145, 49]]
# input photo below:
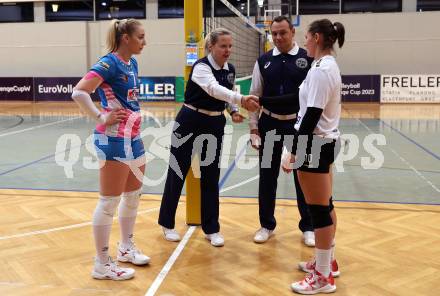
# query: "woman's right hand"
[[115, 116]]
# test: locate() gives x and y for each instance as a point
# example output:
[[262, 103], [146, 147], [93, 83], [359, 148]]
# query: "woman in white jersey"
[[315, 147]]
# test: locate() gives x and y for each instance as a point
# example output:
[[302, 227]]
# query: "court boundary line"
[[72, 226], [169, 264], [229, 196], [411, 140], [79, 225], [240, 183], [232, 166], [179, 249], [420, 175], [40, 159], [20, 121], [37, 127]]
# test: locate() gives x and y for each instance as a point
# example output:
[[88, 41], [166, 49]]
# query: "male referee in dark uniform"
[[277, 76]]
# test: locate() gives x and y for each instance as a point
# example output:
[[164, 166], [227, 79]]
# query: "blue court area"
[[386, 159]]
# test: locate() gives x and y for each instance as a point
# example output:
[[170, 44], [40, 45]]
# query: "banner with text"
[[157, 88], [56, 88], [410, 88], [16, 88], [360, 88]]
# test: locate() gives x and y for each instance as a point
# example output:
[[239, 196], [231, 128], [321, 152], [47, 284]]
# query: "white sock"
[[102, 236], [333, 250], [102, 225], [127, 216], [323, 258]]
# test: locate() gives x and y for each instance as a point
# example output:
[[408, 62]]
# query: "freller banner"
[[410, 88], [16, 88]]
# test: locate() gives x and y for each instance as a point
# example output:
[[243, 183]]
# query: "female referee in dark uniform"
[[199, 130]]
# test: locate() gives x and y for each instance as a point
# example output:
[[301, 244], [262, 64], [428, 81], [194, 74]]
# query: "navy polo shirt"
[[197, 97], [282, 74]]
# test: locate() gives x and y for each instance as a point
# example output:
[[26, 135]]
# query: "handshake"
[[250, 103]]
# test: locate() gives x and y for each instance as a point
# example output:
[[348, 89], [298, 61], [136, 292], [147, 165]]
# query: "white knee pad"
[[129, 203], [105, 210]]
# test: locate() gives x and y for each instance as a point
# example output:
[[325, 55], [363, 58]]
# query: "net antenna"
[[248, 39]]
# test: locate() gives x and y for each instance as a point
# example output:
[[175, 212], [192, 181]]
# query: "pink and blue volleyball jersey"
[[119, 89]]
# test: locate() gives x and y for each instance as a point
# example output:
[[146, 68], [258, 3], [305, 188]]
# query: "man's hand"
[[255, 139], [287, 161], [250, 103]]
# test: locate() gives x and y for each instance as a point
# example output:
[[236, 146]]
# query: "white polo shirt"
[[322, 89]]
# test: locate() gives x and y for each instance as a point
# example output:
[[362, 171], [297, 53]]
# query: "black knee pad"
[[320, 216], [331, 206]]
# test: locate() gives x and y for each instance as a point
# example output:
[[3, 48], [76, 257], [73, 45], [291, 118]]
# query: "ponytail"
[[340, 33], [117, 29], [330, 32]]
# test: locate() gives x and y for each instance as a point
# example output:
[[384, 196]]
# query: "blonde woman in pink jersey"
[[117, 141]]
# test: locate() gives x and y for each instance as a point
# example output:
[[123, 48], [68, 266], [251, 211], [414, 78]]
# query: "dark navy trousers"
[[270, 160], [199, 133]]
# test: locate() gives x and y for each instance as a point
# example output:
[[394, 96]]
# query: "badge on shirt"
[[302, 63], [231, 78], [318, 63], [104, 65], [124, 78], [132, 95], [267, 65]]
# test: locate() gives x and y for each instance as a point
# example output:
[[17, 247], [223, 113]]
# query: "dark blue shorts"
[[115, 148]]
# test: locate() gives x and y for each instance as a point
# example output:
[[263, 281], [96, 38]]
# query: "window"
[[371, 6], [69, 11], [170, 9], [16, 12], [428, 5], [317, 6], [120, 9], [221, 10]]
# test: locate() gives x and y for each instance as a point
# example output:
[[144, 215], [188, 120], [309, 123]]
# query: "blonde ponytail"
[[119, 28]]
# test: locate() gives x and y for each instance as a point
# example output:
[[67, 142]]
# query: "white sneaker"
[[314, 283], [309, 267], [132, 255], [216, 239], [262, 235], [171, 234], [111, 271], [308, 238]]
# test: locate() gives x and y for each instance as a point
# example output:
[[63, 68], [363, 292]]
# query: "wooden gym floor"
[[388, 218]]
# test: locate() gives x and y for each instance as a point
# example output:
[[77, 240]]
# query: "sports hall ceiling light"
[[55, 7]]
